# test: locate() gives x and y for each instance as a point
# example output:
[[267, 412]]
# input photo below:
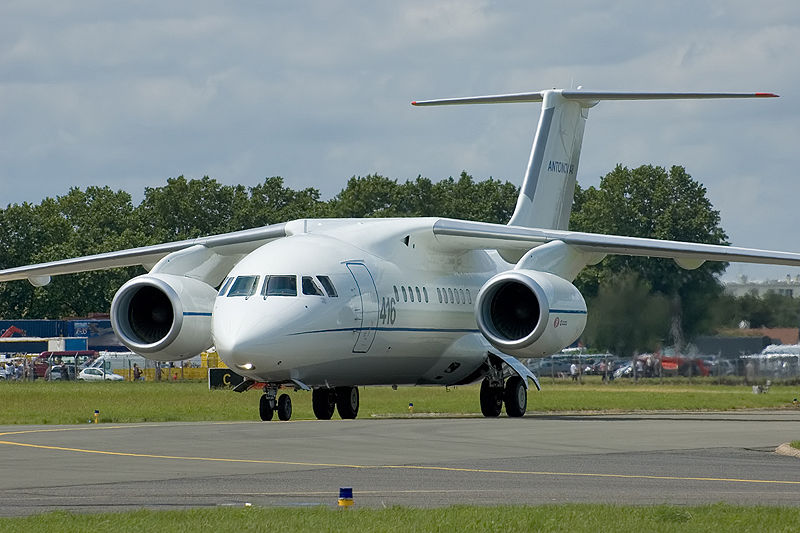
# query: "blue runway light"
[[346, 497]]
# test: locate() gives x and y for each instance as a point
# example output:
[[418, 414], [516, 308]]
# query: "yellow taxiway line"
[[361, 467]]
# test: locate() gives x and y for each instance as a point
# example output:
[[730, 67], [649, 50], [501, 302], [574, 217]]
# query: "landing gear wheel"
[[266, 408], [515, 396], [347, 402], [284, 407], [323, 402], [491, 399]]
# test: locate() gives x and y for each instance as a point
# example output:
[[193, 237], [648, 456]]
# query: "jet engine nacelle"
[[164, 317], [527, 313]]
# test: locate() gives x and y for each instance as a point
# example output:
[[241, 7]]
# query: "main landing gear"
[[494, 394], [323, 401], [343, 399]]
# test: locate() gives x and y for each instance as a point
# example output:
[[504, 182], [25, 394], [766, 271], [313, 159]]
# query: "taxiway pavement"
[[679, 458]]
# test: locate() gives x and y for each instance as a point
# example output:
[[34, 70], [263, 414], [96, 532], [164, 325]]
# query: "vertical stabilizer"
[[545, 200]]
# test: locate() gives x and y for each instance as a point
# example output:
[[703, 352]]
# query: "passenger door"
[[369, 306]]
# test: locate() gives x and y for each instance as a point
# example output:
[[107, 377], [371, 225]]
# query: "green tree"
[[626, 316], [377, 196], [82, 222], [650, 201]]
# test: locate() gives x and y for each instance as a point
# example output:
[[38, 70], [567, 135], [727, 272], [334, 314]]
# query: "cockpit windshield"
[[244, 286], [310, 287], [280, 286]]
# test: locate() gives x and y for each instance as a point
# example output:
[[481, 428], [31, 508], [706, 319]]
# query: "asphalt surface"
[[674, 458]]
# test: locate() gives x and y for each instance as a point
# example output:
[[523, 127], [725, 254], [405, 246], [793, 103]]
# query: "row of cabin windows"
[[277, 286], [449, 295]]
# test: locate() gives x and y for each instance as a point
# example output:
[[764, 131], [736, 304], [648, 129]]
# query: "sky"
[[128, 94]]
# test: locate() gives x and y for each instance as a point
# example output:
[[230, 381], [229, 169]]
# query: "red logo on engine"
[[556, 322]]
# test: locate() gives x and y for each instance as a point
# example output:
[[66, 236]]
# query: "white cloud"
[[129, 94]]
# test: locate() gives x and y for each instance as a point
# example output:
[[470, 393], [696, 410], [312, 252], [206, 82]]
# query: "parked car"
[[47, 359], [60, 373], [98, 374]]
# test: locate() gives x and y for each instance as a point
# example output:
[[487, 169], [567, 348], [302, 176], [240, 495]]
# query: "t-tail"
[[545, 199]]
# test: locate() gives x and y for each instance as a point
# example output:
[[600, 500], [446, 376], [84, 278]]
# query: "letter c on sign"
[[226, 379]]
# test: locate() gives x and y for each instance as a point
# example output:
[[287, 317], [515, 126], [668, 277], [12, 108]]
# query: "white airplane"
[[330, 304]]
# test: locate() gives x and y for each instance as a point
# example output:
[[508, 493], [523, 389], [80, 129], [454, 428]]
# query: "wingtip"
[[767, 95], [414, 102]]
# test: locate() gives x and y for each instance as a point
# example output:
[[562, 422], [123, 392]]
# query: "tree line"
[[634, 303]]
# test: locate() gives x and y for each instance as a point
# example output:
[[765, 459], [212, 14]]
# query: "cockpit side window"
[[280, 286], [244, 286], [328, 284], [310, 287], [225, 286]]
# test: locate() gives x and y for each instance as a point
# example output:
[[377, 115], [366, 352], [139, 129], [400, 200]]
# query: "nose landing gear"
[[267, 406]]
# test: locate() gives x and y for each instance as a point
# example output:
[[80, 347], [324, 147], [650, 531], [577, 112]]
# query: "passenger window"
[[410, 294], [224, 287], [405, 298], [280, 286], [419, 295], [458, 300], [450, 293], [469, 297], [463, 300], [425, 292], [328, 285], [439, 292], [309, 287], [244, 286], [396, 294], [444, 291]]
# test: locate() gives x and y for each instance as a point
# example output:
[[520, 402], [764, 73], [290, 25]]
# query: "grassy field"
[[74, 403], [571, 517]]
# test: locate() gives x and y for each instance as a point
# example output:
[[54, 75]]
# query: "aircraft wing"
[[461, 234], [232, 244]]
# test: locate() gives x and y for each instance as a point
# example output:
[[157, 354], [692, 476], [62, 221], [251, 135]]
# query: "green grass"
[[570, 517], [74, 403]]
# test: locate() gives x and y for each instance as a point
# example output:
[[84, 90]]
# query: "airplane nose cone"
[[237, 337], [252, 332]]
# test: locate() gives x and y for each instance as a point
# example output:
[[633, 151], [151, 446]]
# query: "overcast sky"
[[130, 93]]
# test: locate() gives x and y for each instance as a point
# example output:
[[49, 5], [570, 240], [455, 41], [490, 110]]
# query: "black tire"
[[491, 400], [347, 402], [284, 407], [323, 402], [515, 396], [266, 408]]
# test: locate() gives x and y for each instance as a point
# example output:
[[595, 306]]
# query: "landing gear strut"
[[266, 406]]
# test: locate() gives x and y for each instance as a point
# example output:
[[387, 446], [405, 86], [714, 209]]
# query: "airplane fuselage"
[[354, 303]]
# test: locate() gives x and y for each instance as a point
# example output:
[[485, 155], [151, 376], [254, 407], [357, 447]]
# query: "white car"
[[98, 374]]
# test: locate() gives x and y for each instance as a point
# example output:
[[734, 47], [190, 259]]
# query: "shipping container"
[[36, 328]]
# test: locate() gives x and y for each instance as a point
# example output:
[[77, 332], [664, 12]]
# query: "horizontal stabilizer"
[[585, 96], [546, 196]]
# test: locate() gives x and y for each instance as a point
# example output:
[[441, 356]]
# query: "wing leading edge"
[[460, 234], [227, 244]]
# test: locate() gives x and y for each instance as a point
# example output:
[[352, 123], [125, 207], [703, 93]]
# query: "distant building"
[[743, 286]]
